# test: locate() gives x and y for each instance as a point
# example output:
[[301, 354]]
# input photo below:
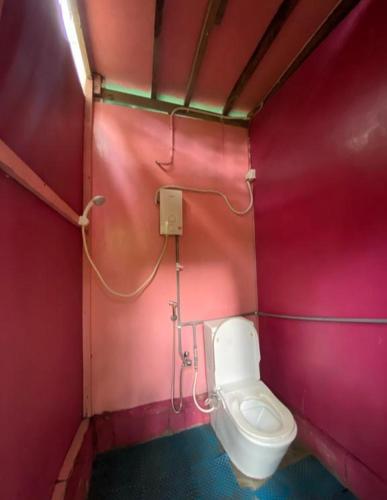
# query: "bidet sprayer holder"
[[97, 200], [173, 305]]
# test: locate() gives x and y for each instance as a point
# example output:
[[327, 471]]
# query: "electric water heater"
[[171, 211]]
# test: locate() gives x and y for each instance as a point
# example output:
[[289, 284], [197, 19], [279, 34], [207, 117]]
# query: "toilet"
[[253, 426]]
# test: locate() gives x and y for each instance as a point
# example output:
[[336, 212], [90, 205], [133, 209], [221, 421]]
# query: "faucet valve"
[[212, 400], [186, 361]]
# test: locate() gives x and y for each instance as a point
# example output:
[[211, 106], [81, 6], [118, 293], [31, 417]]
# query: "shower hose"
[[139, 289]]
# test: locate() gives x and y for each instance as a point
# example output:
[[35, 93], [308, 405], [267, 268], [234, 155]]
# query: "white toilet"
[[253, 426]]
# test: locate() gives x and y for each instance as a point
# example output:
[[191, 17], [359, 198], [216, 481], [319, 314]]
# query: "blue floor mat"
[[306, 479], [192, 465]]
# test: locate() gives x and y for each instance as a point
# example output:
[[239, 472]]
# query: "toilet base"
[[253, 459]]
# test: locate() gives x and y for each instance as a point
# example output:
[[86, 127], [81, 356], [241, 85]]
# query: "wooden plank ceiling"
[[225, 56]]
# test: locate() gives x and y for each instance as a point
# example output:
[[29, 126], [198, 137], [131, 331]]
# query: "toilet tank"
[[232, 351]]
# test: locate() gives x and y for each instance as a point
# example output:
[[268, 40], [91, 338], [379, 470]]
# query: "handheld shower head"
[[99, 200], [96, 200]]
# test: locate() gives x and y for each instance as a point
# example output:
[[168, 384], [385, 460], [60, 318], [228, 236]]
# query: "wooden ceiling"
[[225, 56]]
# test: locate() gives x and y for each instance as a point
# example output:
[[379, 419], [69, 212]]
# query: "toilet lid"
[[236, 351]]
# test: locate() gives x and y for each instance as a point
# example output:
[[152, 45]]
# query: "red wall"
[[320, 150], [41, 118]]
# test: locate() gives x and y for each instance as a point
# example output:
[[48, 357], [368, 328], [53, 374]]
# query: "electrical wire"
[[139, 289], [163, 164], [212, 191]]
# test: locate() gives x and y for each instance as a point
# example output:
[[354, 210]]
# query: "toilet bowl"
[[253, 426]]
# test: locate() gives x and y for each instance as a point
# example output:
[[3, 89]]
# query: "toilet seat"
[[258, 413]]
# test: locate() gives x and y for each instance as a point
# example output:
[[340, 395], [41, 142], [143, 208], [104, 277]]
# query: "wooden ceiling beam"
[[221, 11], [136, 101], [214, 15], [261, 49], [339, 12], [156, 45]]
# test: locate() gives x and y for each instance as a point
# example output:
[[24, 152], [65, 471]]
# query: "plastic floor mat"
[[193, 465]]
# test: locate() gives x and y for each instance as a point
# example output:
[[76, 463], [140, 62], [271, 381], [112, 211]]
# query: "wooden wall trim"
[[80, 36], [15, 167], [86, 269]]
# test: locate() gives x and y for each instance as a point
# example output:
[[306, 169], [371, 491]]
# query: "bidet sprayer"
[[96, 200]]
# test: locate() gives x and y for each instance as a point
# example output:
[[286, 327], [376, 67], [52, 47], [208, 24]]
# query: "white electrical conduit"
[[163, 164], [212, 191], [83, 221], [180, 407]]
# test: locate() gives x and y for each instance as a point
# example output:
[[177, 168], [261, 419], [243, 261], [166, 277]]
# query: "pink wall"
[[131, 341], [40, 253], [320, 150]]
